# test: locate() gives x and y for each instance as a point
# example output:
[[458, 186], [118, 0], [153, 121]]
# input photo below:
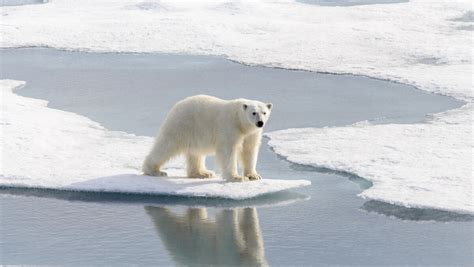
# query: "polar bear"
[[201, 125]]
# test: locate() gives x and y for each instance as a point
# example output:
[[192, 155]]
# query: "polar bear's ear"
[[245, 106], [269, 105]]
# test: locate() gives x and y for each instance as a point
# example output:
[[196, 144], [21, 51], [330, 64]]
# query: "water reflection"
[[230, 237]]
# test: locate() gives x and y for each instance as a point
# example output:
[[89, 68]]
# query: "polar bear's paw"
[[253, 176], [160, 173], [202, 174], [152, 170], [156, 173], [238, 179]]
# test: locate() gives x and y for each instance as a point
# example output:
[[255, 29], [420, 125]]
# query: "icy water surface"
[[323, 224], [21, 2]]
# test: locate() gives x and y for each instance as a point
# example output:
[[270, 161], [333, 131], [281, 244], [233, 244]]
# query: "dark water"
[[325, 223]]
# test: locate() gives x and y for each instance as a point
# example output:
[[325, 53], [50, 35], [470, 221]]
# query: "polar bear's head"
[[256, 113]]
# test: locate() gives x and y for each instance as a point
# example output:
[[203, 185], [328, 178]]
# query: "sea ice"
[[49, 148], [427, 165], [421, 43]]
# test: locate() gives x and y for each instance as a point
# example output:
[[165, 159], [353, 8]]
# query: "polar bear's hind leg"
[[161, 153]]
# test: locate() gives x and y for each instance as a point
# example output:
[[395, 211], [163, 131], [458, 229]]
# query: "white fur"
[[201, 125]]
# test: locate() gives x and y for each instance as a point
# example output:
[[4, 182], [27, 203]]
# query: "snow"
[[49, 148], [427, 44], [417, 42], [426, 165]]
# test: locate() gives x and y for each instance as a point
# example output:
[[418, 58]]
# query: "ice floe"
[[426, 165], [53, 149]]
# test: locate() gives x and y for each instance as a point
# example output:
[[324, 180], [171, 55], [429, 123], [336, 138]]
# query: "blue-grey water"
[[21, 2], [325, 223]]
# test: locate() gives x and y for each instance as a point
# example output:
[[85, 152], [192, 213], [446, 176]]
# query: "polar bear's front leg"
[[249, 155], [227, 158]]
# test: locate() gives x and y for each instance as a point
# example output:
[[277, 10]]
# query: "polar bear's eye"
[[264, 113], [254, 113]]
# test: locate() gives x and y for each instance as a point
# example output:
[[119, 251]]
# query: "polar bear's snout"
[[260, 124]]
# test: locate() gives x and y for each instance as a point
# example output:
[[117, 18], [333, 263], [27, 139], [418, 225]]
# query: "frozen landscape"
[[311, 221], [409, 151]]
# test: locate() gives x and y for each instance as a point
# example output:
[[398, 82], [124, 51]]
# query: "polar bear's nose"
[[260, 124]]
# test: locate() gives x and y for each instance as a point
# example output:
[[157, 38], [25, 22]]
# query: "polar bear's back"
[[195, 121], [200, 108]]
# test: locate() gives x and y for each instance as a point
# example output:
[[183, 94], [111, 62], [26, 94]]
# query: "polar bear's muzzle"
[[260, 124]]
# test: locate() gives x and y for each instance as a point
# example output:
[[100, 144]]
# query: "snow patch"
[[426, 165], [169, 186], [350, 2]]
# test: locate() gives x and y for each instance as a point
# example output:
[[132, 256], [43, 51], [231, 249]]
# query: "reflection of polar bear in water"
[[233, 238], [202, 125]]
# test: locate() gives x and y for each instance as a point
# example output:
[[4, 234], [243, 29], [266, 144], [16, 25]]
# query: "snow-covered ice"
[[49, 148], [417, 42], [423, 43], [425, 165]]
